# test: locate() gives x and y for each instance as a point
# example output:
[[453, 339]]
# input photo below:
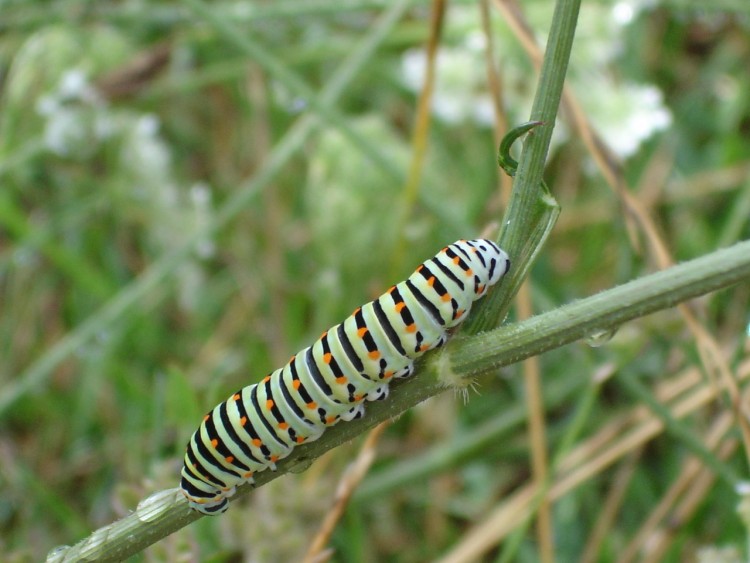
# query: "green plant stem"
[[530, 205], [602, 312], [466, 356]]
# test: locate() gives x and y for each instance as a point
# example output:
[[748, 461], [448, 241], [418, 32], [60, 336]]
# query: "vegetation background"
[[129, 129]]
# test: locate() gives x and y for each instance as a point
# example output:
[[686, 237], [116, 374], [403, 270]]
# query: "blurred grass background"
[[127, 127]]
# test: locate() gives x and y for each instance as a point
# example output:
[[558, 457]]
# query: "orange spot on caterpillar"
[[248, 475], [362, 331], [283, 425], [257, 442], [374, 355], [388, 375], [206, 417], [236, 397], [424, 348], [243, 421], [447, 297], [274, 458], [400, 306], [296, 383], [214, 442], [431, 281], [312, 405], [357, 310], [469, 273], [229, 459], [358, 398], [341, 380], [330, 419], [300, 439], [269, 404], [266, 378], [456, 260], [327, 357], [411, 328]]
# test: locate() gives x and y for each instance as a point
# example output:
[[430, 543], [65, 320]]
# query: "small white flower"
[[623, 13], [625, 114], [73, 84]]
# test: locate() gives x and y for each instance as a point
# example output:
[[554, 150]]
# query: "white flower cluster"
[[625, 114]]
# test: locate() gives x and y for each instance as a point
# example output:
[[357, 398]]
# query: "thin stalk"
[[529, 205]]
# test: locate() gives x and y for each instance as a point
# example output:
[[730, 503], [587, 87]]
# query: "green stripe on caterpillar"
[[330, 380]]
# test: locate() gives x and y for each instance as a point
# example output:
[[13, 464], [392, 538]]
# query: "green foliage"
[[106, 174]]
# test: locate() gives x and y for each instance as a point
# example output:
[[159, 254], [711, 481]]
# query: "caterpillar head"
[[489, 263]]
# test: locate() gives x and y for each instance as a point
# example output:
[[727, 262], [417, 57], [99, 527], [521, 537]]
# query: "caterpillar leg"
[[378, 394], [357, 411], [210, 508], [205, 501], [443, 338], [386, 374], [405, 372]]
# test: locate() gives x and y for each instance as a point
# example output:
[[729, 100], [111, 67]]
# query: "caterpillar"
[[329, 381]]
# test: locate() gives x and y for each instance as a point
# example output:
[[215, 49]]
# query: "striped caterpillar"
[[330, 380]]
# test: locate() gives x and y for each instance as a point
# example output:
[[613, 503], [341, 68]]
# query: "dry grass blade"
[[514, 509], [494, 82], [703, 185], [537, 432], [707, 184], [420, 133], [353, 476], [615, 497], [137, 74], [691, 472], [694, 496]]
